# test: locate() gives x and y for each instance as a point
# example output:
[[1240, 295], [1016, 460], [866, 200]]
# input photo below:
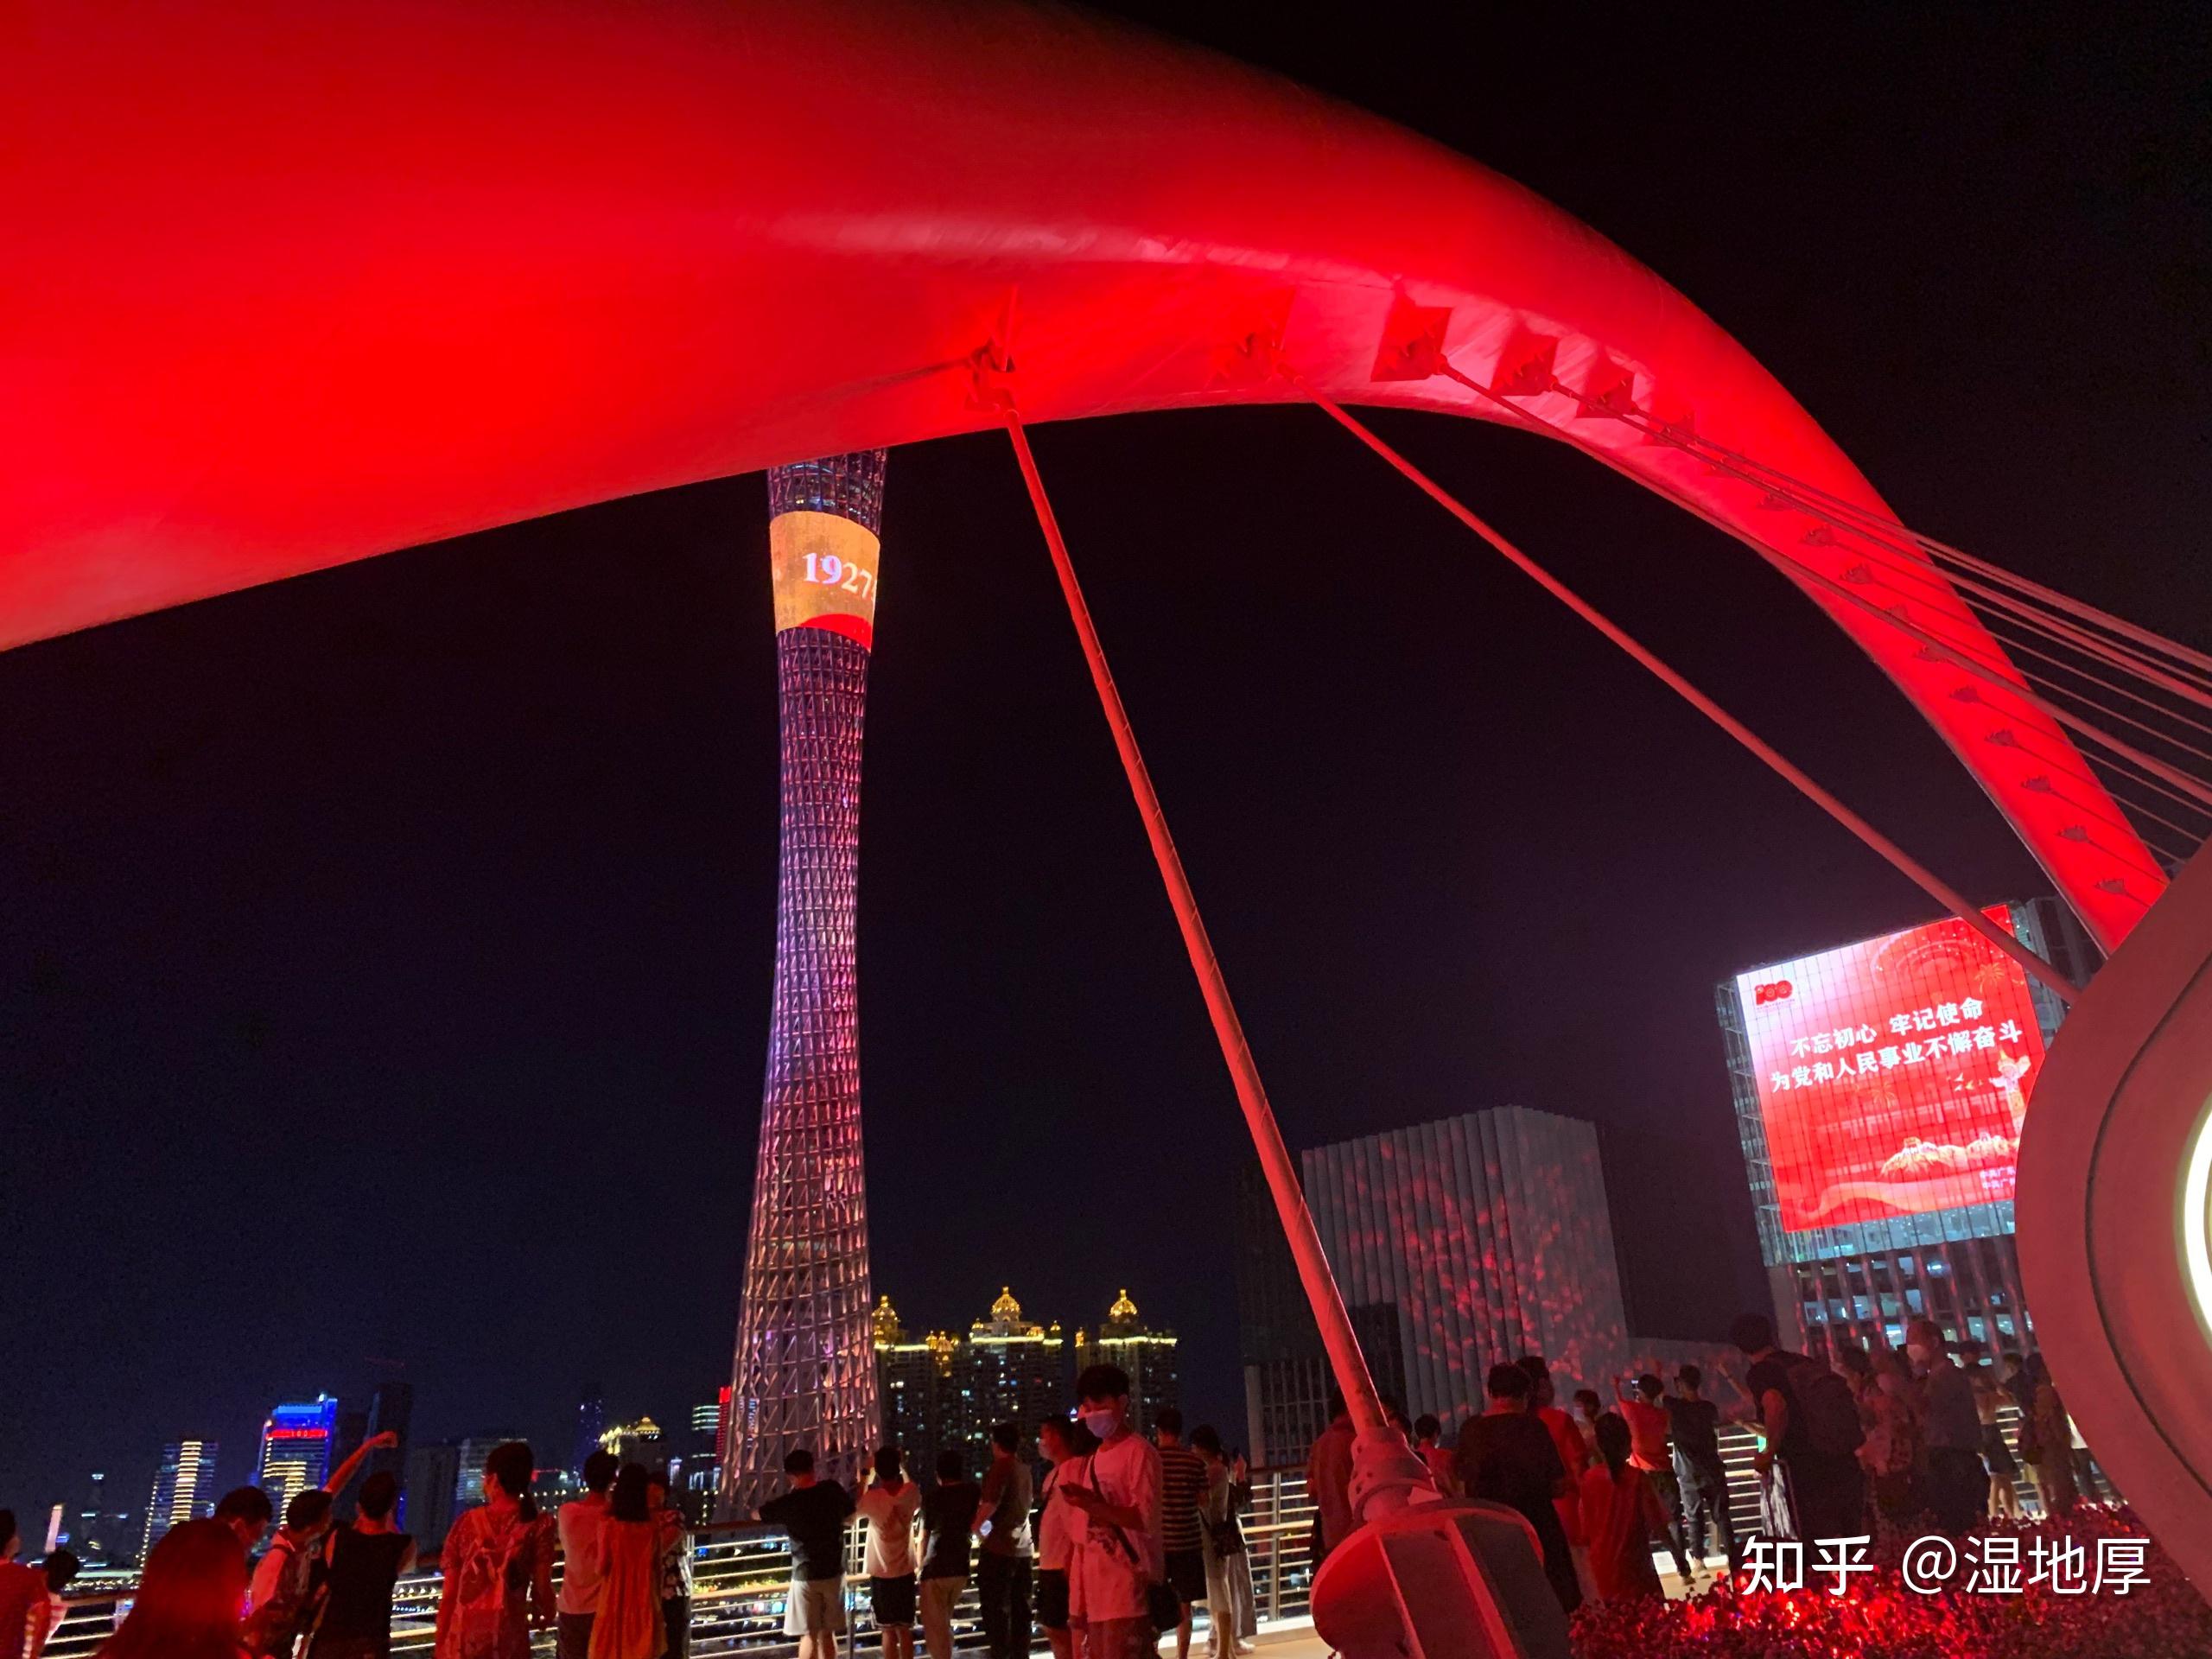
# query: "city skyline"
[[447, 874], [207, 1477]]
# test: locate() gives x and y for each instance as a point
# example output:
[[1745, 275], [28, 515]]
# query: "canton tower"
[[805, 1373]]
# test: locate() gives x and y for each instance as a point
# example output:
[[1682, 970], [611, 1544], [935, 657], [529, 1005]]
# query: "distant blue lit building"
[[295, 1449]]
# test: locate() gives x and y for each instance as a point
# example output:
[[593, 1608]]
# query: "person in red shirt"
[[1622, 1515], [1649, 1455], [22, 1591]]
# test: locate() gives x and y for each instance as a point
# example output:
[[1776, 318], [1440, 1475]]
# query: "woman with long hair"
[[1230, 1615], [499, 1566], [188, 1597], [673, 1531], [1891, 1454], [627, 1552], [1620, 1516]]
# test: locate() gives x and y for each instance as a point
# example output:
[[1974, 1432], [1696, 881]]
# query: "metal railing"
[[740, 1581]]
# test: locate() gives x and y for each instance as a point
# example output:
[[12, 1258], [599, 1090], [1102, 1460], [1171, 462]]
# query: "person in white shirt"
[[1118, 1557], [581, 1523], [889, 1506]]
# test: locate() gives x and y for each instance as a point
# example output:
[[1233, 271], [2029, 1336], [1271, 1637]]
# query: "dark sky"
[[386, 953]]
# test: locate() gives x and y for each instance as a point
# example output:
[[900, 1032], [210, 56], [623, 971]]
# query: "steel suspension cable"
[[2017, 613], [1925, 878], [1807, 575], [1336, 1336], [1874, 526]]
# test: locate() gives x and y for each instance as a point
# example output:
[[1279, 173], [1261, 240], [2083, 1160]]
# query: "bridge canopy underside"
[[296, 287]]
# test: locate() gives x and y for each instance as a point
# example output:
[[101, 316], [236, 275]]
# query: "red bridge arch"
[[291, 286]]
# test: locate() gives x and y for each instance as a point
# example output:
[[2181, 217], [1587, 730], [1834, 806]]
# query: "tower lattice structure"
[[804, 1371]]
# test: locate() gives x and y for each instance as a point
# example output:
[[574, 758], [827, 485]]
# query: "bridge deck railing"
[[741, 1577]]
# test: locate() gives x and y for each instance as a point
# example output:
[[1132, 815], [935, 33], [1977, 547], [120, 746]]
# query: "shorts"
[[816, 1607], [572, 1634], [1186, 1574], [891, 1599], [1121, 1638], [1052, 1598]]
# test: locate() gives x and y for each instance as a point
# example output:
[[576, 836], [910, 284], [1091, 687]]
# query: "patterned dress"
[[492, 1558]]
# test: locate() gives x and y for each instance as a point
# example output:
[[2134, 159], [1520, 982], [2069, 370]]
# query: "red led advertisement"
[[1893, 1075]]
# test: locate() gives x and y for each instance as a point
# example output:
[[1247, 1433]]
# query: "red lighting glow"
[[1893, 1075], [291, 286]]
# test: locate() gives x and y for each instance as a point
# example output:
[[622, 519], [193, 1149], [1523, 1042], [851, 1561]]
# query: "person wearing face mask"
[[1119, 1559], [1958, 1484]]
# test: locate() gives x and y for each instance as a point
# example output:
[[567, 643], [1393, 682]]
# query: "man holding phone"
[[1118, 1554]]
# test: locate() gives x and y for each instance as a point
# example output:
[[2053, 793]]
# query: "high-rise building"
[[943, 1393], [427, 1499], [295, 1446], [914, 1389], [804, 1370], [1148, 1356], [391, 1411], [1455, 1245], [183, 1489], [89, 1525], [696, 1471], [638, 1442], [1287, 1382], [468, 1479], [351, 1431], [1008, 1370], [591, 1423], [1880, 1089], [550, 1488]]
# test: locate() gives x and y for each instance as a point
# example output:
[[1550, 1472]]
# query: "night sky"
[[386, 966]]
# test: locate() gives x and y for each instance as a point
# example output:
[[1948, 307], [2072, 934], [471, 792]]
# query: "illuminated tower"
[[804, 1373]]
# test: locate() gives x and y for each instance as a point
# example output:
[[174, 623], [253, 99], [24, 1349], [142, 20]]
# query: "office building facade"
[[914, 1391], [184, 1489], [1455, 1244], [639, 1442], [296, 1441], [469, 1478], [1880, 1089], [1148, 1357], [1287, 1382], [427, 1496], [1007, 1370]]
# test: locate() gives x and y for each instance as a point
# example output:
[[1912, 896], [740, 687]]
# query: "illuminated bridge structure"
[[295, 286]]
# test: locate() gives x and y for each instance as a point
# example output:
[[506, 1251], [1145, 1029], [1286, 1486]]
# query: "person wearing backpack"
[[1813, 1431]]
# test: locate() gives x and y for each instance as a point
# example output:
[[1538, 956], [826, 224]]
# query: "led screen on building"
[[1892, 1075]]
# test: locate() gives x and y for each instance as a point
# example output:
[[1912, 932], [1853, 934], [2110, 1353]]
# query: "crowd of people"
[[1123, 1535], [1858, 1444], [1109, 1552]]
